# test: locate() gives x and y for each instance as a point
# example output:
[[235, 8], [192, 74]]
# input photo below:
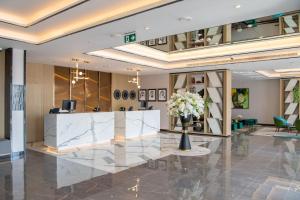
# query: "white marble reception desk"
[[136, 123], [63, 131]]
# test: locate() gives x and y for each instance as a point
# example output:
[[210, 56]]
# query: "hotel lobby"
[[152, 99]]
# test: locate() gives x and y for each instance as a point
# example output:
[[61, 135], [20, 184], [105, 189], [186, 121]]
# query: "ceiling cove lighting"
[[287, 70], [93, 19], [43, 12]]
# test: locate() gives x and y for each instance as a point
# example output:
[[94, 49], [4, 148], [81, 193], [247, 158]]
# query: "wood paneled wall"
[[89, 93], [120, 82], [39, 98]]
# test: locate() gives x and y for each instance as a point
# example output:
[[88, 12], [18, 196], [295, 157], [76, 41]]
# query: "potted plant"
[[185, 105], [296, 95]]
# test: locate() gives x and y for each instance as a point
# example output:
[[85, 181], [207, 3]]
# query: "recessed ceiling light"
[[238, 6], [147, 28], [187, 18]]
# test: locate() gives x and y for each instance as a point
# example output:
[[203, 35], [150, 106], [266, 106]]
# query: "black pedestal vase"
[[185, 141]]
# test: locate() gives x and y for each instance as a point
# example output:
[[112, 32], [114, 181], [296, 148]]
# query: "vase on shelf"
[[185, 144]]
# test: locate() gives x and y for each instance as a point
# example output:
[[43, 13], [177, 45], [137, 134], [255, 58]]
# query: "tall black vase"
[[185, 141]]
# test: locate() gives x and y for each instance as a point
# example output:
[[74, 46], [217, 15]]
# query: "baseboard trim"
[[262, 124]]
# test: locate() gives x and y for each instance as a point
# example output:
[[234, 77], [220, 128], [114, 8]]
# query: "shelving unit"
[[289, 24], [288, 108], [214, 84]]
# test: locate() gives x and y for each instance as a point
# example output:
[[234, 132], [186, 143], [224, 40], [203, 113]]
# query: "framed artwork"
[[132, 95], [117, 94], [143, 43], [162, 40], [162, 94], [152, 42], [240, 98], [152, 95], [142, 95], [125, 94]]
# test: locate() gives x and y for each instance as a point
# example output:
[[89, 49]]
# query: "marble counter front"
[[63, 131], [76, 129], [136, 123]]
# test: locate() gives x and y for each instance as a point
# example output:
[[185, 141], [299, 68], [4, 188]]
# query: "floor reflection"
[[241, 167]]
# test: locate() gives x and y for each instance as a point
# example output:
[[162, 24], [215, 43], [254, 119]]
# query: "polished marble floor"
[[241, 167]]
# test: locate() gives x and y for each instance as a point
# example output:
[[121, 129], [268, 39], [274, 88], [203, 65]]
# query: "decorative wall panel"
[[105, 91], [78, 94], [89, 93], [288, 108], [91, 90], [62, 85], [18, 97], [215, 93]]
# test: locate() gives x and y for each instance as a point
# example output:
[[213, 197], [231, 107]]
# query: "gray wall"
[[264, 99], [2, 93], [156, 82]]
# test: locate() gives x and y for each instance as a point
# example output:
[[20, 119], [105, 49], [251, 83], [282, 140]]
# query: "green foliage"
[[296, 95], [207, 102]]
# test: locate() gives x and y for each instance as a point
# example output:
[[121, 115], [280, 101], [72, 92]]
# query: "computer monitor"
[[69, 105], [144, 104]]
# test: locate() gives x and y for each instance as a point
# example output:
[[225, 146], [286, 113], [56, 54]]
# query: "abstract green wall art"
[[240, 98]]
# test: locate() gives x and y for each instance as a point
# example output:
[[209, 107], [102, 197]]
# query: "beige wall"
[[120, 81], [156, 82], [263, 99], [2, 93], [39, 98]]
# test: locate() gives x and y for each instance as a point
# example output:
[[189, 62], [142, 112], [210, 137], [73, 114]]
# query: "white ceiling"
[[162, 21]]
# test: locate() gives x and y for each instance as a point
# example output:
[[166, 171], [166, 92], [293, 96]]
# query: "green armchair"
[[297, 126], [280, 122]]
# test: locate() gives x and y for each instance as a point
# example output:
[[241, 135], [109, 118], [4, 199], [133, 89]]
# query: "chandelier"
[[135, 80], [78, 74]]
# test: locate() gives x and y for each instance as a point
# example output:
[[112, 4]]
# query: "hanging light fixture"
[[77, 74], [135, 80]]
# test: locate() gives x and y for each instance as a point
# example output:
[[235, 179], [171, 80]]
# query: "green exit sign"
[[129, 37]]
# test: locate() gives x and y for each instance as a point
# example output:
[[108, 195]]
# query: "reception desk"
[[62, 131]]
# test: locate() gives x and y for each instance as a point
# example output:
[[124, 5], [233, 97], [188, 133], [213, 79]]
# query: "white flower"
[[186, 103]]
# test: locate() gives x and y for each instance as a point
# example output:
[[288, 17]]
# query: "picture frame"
[[152, 42], [142, 95], [162, 94], [240, 98], [162, 40], [143, 43], [151, 95]]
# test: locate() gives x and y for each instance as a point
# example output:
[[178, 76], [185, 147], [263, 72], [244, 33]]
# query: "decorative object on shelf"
[[142, 95], [132, 95], [185, 105], [152, 95], [117, 94], [207, 102], [296, 95], [125, 94], [76, 73], [162, 94], [162, 40], [240, 98], [135, 80], [152, 42]]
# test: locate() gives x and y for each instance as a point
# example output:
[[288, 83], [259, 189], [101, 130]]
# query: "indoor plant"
[[185, 105]]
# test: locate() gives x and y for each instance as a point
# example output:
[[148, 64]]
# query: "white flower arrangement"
[[185, 103]]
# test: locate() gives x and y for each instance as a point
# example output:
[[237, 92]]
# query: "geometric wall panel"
[[291, 84]]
